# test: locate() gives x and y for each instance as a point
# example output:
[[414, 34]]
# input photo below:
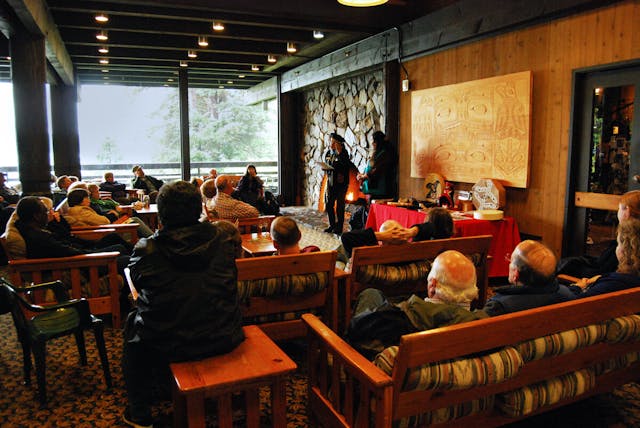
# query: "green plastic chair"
[[35, 324]]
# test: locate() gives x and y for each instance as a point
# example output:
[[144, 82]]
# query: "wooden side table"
[[256, 362]]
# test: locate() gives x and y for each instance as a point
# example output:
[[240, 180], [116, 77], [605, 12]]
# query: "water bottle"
[[146, 200]]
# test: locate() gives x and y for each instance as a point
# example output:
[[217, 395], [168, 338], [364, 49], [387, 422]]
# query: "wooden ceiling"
[[148, 39]]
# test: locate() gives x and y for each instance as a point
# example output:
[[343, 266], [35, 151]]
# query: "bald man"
[[451, 286], [227, 207], [532, 273]]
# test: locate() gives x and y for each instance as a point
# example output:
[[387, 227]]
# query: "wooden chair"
[[245, 225], [267, 287], [129, 231], [393, 255]]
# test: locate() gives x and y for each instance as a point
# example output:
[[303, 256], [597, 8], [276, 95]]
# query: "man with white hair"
[[451, 286]]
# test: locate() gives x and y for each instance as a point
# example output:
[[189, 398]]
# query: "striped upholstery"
[[389, 275], [623, 329], [460, 373], [290, 285], [616, 363], [561, 343], [448, 413], [527, 399]]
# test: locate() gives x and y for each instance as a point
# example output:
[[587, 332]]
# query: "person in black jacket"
[[149, 184], [337, 158], [532, 273], [187, 308]]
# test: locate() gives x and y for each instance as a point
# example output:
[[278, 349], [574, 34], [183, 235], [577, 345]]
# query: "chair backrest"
[[246, 224], [272, 286]]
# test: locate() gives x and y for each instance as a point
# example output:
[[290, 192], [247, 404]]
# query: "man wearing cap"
[[337, 158], [451, 286], [149, 184]]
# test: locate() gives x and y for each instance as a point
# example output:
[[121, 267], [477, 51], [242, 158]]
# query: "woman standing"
[[379, 174], [337, 158]]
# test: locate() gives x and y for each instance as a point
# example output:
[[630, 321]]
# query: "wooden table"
[[256, 362], [256, 245], [148, 215], [505, 232]]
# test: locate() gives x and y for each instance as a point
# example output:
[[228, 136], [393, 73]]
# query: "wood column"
[[289, 168], [28, 74], [391, 72], [64, 124], [185, 153]]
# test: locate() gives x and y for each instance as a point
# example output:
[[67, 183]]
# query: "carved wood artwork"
[[473, 130]]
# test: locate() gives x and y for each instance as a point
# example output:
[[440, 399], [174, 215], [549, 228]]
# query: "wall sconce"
[[192, 54], [317, 34], [271, 58], [184, 64], [291, 47], [218, 26], [102, 36], [202, 41]]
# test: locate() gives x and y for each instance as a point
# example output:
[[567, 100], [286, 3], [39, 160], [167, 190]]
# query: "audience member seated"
[[627, 274], [438, 225], [286, 237], [187, 265], [588, 266], [117, 190], [250, 188], [197, 181], [63, 182], [451, 286], [73, 179], [532, 273], [63, 206], [213, 174], [9, 194], [208, 190], [149, 184], [80, 212], [111, 209], [226, 206]]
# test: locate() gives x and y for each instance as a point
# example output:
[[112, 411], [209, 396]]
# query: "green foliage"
[[109, 152], [222, 128]]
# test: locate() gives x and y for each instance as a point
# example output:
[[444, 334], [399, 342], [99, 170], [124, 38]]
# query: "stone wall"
[[355, 109]]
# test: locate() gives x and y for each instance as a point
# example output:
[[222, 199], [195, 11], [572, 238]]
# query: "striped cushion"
[[448, 413], [527, 399], [623, 329], [618, 362], [290, 285], [561, 343], [459, 373], [389, 275]]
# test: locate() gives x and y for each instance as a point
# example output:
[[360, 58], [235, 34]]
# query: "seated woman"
[[250, 188], [628, 273]]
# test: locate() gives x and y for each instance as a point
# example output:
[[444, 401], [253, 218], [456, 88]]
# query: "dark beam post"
[[289, 169], [185, 153], [64, 124], [28, 74], [391, 71]]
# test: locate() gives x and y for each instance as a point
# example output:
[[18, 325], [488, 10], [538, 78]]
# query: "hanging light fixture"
[[184, 64], [103, 49], [104, 61], [317, 34], [203, 41], [271, 58], [255, 68], [192, 54], [102, 18], [362, 3], [291, 47], [218, 26], [102, 36]]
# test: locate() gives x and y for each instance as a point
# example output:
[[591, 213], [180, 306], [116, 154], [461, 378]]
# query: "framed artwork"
[[473, 130]]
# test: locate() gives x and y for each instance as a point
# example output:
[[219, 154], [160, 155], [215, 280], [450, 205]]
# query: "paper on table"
[[325, 166]]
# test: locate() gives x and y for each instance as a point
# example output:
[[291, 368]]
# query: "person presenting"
[[377, 180], [187, 305], [339, 164], [532, 275], [451, 287]]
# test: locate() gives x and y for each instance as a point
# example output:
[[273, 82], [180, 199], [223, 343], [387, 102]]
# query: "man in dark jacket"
[[149, 184], [532, 273], [187, 308]]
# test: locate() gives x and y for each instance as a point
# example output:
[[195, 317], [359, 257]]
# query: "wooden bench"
[[254, 363], [129, 231], [591, 350], [381, 258], [272, 286]]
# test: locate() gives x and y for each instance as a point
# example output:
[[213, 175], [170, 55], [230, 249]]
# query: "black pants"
[[336, 218]]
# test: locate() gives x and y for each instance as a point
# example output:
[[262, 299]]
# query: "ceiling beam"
[[37, 19]]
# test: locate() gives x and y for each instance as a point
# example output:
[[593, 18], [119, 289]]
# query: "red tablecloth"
[[505, 232]]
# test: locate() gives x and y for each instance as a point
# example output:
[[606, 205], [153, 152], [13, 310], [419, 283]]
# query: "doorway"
[[604, 157]]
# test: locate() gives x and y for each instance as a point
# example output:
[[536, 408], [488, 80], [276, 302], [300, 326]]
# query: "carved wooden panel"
[[473, 130]]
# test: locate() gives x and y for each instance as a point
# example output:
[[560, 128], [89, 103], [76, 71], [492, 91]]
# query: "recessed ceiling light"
[[8, 58], [317, 34], [202, 41], [169, 79], [192, 54], [229, 82], [105, 77], [241, 76], [218, 26], [102, 18], [104, 60], [291, 47], [102, 36], [184, 64], [271, 58], [255, 68], [221, 87], [362, 3], [166, 85], [104, 70], [103, 49]]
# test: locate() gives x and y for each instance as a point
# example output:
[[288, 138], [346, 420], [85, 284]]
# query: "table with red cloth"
[[505, 232]]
